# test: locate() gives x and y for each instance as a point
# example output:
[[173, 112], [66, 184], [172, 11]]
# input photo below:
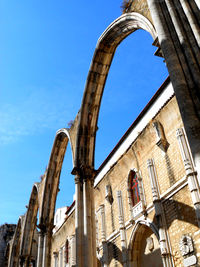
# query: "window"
[[136, 197], [134, 188]]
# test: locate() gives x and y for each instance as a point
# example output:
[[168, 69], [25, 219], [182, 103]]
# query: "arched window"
[[136, 197], [134, 188]]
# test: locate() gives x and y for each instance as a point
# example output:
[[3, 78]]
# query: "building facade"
[[142, 192], [142, 206]]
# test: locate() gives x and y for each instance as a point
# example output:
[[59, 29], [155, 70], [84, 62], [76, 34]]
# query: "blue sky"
[[45, 52]]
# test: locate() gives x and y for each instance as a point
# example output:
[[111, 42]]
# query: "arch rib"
[[86, 134], [99, 68], [29, 224], [50, 194]]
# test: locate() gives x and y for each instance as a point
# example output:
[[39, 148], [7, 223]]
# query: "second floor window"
[[134, 186]]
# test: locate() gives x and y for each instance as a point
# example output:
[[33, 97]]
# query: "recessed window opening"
[[134, 187]]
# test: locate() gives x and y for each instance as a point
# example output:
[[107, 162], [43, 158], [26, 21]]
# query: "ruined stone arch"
[[7, 253], [52, 177], [29, 224], [137, 238], [49, 195], [15, 244], [102, 59]]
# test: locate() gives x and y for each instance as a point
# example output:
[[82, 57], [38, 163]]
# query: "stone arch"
[[7, 253], [15, 244], [53, 175], [87, 126], [103, 55], [141, 228], [29, 225], [49, 195]]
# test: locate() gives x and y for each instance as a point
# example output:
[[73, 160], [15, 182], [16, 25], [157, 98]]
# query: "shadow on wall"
[[177, 210], [174, 210]]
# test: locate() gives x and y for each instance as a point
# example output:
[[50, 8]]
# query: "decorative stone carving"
[[152, 176], [190, 171], [73, 250], [137, 210], [103, 223], [158, 52], [122, 228], [186, 245], [161, 139], [184, 151], [150, 243], [189, 261], [109, 196]]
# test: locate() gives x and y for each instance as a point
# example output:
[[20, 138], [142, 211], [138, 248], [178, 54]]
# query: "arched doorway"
[[145, 248]]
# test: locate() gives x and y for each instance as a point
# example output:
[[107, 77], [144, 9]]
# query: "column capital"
[[55, 253], [75, 171], [84, 172], [42, 227]]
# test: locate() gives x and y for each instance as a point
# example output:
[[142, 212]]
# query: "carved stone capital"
[[42, 228], [77, 180], [84, 173], [75, 171]]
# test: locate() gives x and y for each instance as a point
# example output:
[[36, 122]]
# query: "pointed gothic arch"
[[50, 191], [87, 126], [53, 175], [142, 229], [29, 225], [15, 244], [102, 59]]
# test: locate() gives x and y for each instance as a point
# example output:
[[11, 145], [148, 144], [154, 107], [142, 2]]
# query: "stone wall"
[[178, 214], [6, 233]]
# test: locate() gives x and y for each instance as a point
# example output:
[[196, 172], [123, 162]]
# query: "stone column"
[[89, 240], [73, 251], [61, 257], [122, 229], [164, 246], [88, 224], [55, 256], [93, 221], [177, 26], [84, 217], [103, 236], [46, 261], [24, 261], [190, 172], [78, 216], [40, 248]]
